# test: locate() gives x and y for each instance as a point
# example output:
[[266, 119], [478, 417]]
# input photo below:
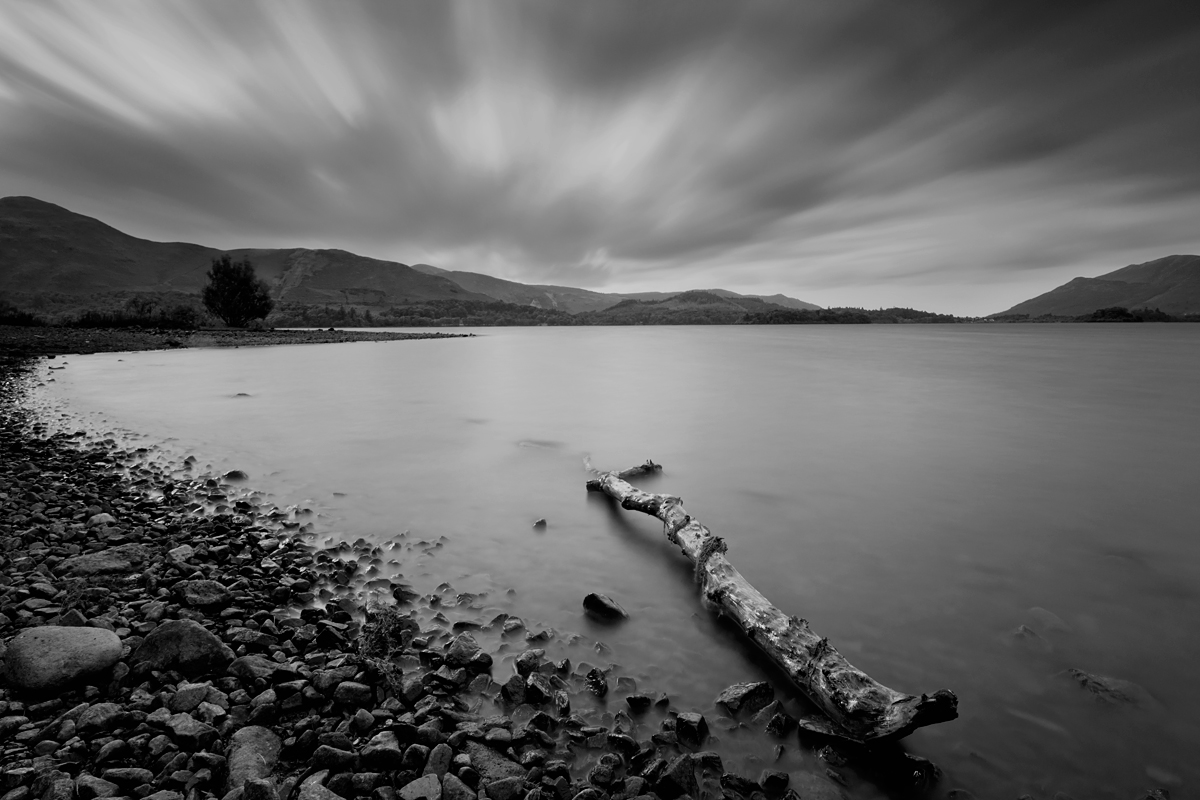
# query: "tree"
[[234, 293]]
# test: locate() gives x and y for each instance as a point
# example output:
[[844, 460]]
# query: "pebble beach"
[[173, 635]]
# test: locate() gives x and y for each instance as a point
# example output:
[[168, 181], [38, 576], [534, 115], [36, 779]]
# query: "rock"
[[252, 754], [539, 523], [383, 753], [89, 787], [190, 733], [438, 762], [128, 776], [677, 778], [333, 758], [73, 619], [251, 668], [203, 594], [352, 693], [597, 682], [461, 650], [122, 559], [101, 519], [188, 697], [427, 787], [455, 789], [603, 607], [315, 791], [259, 789], [101, 717], [184, 646], [691, 728], [773, 781], [51, 657], [639, 702], [505, 788], [181, 553], [1113, 691], [748, 697], [490, 765]]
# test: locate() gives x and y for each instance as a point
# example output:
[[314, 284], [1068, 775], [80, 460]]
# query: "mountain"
[[1171, 284], [47, 249], [685, 308], [574, 301], [49, 253], [563, 298]]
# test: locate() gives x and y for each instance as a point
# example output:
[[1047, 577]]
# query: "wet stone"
[[748, 697], [604, 608]]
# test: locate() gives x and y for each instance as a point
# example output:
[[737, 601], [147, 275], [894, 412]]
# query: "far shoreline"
[[21, 341]]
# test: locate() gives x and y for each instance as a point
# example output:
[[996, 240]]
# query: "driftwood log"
[[856, 706]]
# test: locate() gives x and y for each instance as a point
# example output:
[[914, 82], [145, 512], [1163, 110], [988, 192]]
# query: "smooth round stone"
[[51, 656]]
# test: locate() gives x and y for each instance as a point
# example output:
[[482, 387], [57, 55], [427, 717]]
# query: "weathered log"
[[857, 707]]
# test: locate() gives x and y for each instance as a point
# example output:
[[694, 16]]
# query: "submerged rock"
[[603, 607], [1112, 691], [52, 657]]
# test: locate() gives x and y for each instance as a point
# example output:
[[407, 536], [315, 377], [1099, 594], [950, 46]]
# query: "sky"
[[957, 156]]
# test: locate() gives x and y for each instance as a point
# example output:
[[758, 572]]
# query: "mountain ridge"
[[1171, 284], [48, 249]]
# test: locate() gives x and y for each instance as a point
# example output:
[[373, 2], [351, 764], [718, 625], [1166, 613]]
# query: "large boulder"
[[122, 559], [182, 645], [51, 657], [252, 754]]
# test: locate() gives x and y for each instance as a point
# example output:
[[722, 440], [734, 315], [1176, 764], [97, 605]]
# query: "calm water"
[[913, 491]]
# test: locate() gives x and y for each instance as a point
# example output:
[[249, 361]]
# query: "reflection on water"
[[972, 507]]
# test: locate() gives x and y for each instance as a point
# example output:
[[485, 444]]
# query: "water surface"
[[914, 491]]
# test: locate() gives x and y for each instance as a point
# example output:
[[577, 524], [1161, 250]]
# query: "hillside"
[[1171, 284], [686, 308], [47, 249], [562, 298]]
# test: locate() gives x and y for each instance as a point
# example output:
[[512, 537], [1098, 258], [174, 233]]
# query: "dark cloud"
[[818, 149]]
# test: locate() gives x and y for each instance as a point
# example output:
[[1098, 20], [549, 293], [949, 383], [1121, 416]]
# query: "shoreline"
[[18, 341], [226, 677]]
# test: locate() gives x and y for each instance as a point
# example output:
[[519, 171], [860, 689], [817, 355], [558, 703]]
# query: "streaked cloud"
[[955, 156]]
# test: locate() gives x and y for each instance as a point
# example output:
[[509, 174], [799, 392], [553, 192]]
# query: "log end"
[[916, 712], [594, 485]]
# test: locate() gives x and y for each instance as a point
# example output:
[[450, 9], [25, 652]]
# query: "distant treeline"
[[442, 313], [137, 311], [1111, 314]]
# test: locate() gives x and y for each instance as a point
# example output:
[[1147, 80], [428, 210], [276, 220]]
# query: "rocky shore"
[[22, 341], [172, 635]]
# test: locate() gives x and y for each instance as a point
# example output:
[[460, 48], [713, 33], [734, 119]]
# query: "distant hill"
[[55, 259], [574, 301], [685, 308], [1171, 284], [562, 298], [45, 248]]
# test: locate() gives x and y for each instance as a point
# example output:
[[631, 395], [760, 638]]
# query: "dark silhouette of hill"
[[685, 308], [48, 249], [574, 301], [1171, 284], [562, 298]]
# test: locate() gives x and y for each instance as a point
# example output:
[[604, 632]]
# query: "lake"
[[916, 492]]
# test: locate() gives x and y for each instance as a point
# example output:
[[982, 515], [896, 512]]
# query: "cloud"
[[863, 146]]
